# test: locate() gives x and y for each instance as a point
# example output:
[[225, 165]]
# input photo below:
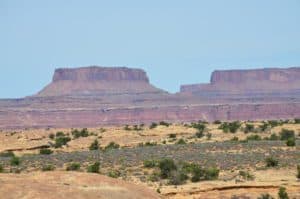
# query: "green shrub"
[[177, 178], [274, 123], [271, 162], [172, 135], [94, 145], [282, 194], [181, 141], [298, 171], [150, 163], [7, 154], [246, 175], [273, 136], [253, 138], [211, 173], [154, 177], [61, 141], [46, 151], [153, 125], [291, 142], [80, 133], [163, 123], [73, 167], [199, 134], [297, 120], [150, 144], [235, 139], [127, 128], [51, 136], [112, 145], [265, 196], [1, 168], [285, 134], [60, 134], [166, 167], [208, 136], [114, 174], [231, 127], [249, 128], [48, 167], [15, 161], [264, 127], [217, 122], [94, 168]]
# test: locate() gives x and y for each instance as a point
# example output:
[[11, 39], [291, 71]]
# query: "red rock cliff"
[[96, 80]]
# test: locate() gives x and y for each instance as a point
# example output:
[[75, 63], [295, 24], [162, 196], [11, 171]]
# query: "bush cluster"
[[178, 173], [46, 151], [94, 168], [73, 166], [80, 133], [231, 127]]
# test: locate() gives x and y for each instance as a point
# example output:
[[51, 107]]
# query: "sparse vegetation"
[[253, 138], [153, 125], [94, 145], [73, 166], [231, 127], [61, 141], [112, 145], [181, 141], [114, 174], [7, 154], [282, 194], [80, 133], [249, 128], [265, 196], [271, 162], [48, 167], [246, 175], [286, 134], [291, 142], [15, 161], [150, 163], [94, 168], [46, 151]]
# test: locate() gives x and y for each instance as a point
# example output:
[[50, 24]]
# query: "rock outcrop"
[[53, 185], [271, 81], [98, 81], [93, 96]]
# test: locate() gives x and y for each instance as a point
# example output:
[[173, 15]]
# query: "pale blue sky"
[[176, 42]]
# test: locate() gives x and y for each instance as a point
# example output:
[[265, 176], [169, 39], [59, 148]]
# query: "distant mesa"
[[95, 96], [256, 81], [95, 80]]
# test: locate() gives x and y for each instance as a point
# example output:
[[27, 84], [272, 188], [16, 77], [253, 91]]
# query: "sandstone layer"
[[53, 185], [93, 96]]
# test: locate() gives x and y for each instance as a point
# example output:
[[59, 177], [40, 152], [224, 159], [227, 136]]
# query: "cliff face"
[[98, 81], [247, 82], [95, 73], [94, 96]]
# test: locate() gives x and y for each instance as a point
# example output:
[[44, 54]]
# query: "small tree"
[[94, 168], [112, 145], [298, 172], [265, 196], [291, 142], [73, 167], [46, 151], [94, 145], [1, 168], [15, 161], [282, 194], [271, 162], [166, 167]]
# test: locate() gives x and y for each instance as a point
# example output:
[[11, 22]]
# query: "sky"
[[175, 42]]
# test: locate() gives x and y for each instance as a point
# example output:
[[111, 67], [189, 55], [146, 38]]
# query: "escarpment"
[[94, 96]]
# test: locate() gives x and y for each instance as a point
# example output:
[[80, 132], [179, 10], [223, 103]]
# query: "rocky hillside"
[[93, 96]]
